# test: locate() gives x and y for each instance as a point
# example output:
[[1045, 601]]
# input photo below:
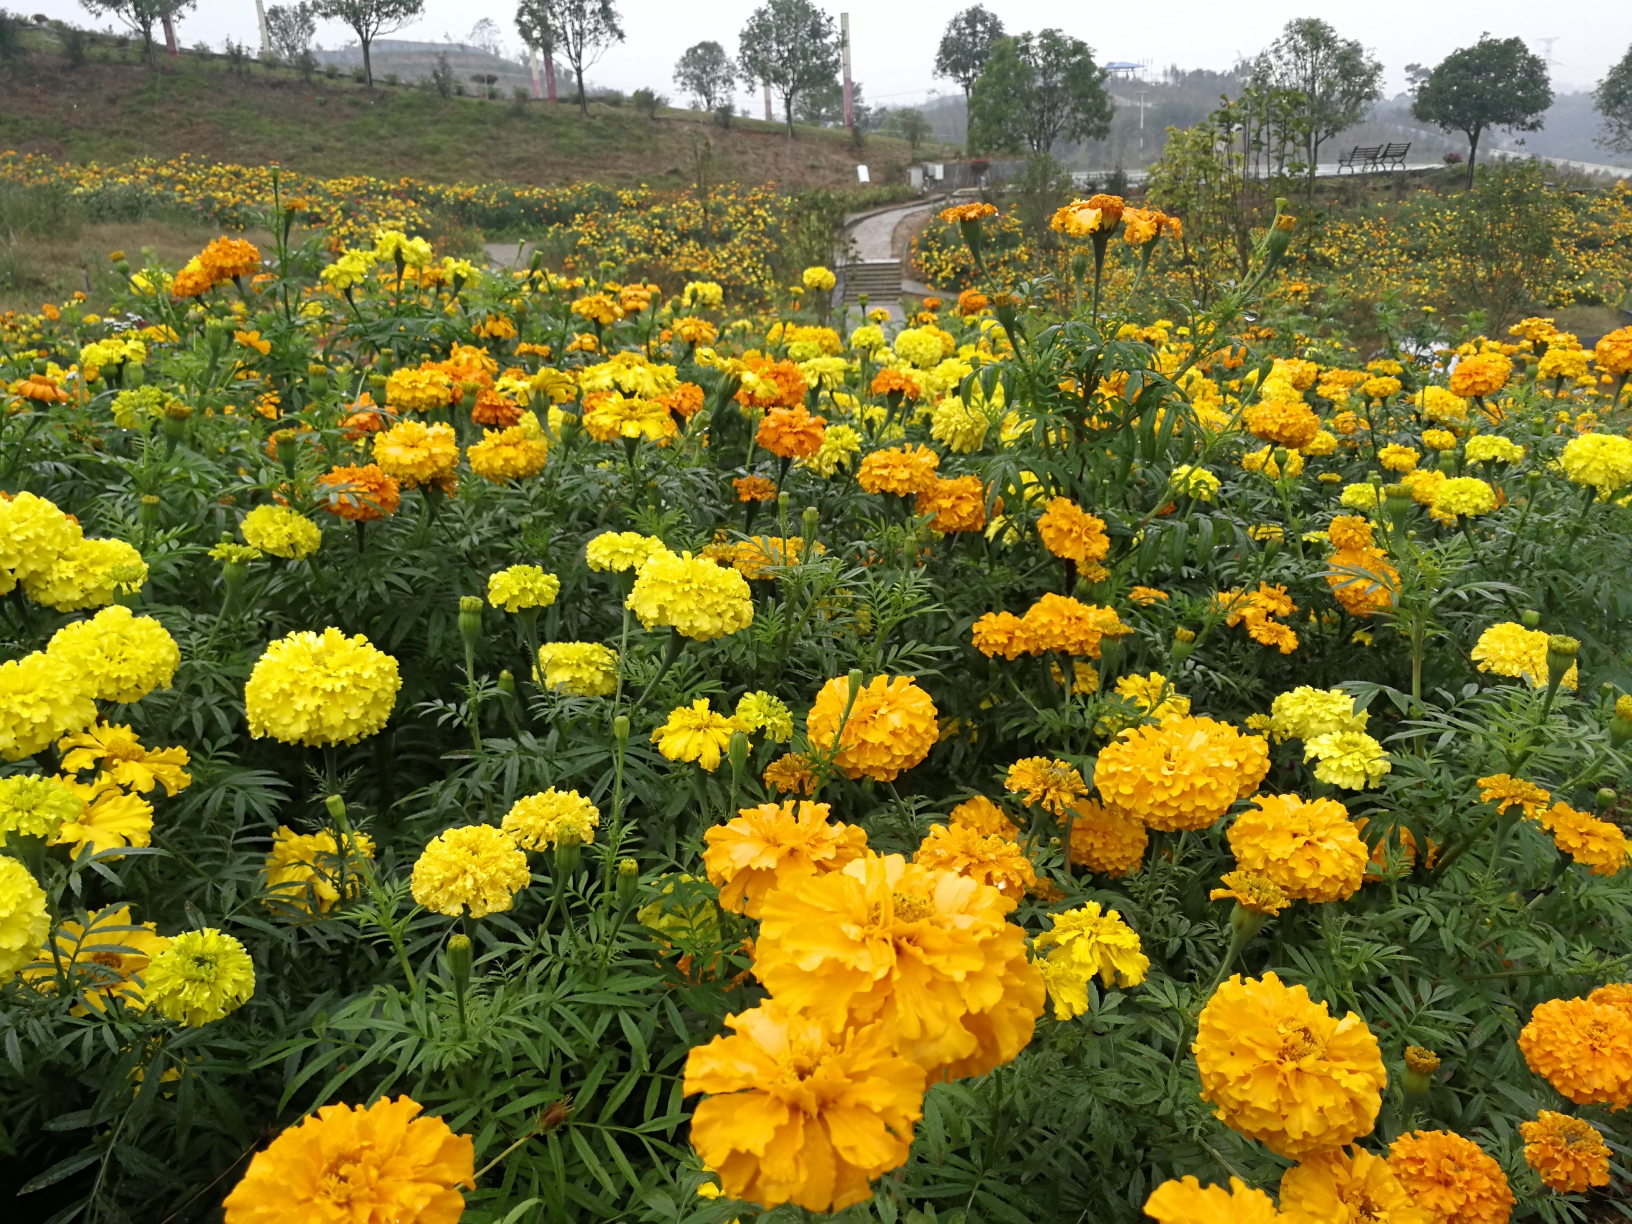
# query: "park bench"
[[1392, 157], [1357, 159]]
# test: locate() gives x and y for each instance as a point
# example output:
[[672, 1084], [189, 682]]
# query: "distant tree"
[[141, 16], [1613, 100], [533, 24], [368, 19], [967, 45], [792, 45], [485, 34], [1336, 76], [915, 129], [1415, 75], [581, 30], [708, 74], [1497, 82], [1035, 90], [291, 28]]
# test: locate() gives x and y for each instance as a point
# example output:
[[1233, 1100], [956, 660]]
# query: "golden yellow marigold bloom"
[[695, 733], [507, 454], [199, 977], [1464, 495], [358, 1164], [764, 712], [790, 774], [1595, 844], [925, 951], [791, 433], [1282, 422], [1187, 1201], [1438, 404], [1569, 1153], [1305, 713], [108, 959], [598, 308], [303, 871], [117, 751], [579, 669], [1056, 785], [961, 428], [1312, 851], [416, 453], [421, 390], [1583, 1049], [1257, 610], [32, 806], [1263, 460], [539, 822], [1069, 531], [1082, 943], [1439, 439], [958, 504], [1098, 214], [1104, 841], [1451, 1178], [24, 922], [1350, 759], [87, 576], [282, 532], [612, 415], [117, 655], [320, 689], [694, 596], [1152, 695], [1613, 354], [1509, 649], [474, 867], [40, 700], [1347, 1188], [110, 818], [1283, 1070], [767, 846], [1397, 458], [1183, 774], [1506, 791], [1256, 894], [1195, 482], [1493, 448], [892, 726], [989, 858], [1601, 460], [360, 494], [904, 472], [1561, 362], [1481, 374], [522, 586], [966, 212], [984, 817], [622, 550], [33, 534], [801, 1113]]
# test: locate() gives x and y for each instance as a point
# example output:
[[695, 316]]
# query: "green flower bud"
[[470, 619], [336, 806], [1529, 618], [1607, 796], [568, 854], [736, 752], [135, 373], [507, 683], [148, 513], [628, 882], [1561, 652], [620, 729], [460, 957]]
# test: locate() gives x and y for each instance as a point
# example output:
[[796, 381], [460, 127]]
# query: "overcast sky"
[[894, 44]]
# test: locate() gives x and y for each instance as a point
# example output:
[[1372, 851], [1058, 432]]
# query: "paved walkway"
[[873, 235]]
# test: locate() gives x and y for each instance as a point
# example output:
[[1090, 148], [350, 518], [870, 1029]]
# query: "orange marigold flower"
[[1616, 994], [1257, 610], [1058, 622], [1451, 1178], [360, 494], [972, 302], [1187, 1201], [984, 817], [1104, 841], [1069, 531], [228, 258], [683, 401], [902, 471], [1356, 1187], [1056, 785], [1001, 633], [991, 859], [925, 951], [1481, 374], [1569, 1153], [968, 212], [768, 845], [791, 774], [1280, 1068], [39, 388], [886, 381], [1506, 791], [1182, 774], [892, 726], [1360, 576], [356, 1163], [801, 1113], [1289, 423], [494, 410], [791, 433], [771, 384], [1312, 851], [1594, 843], [754, 489], [958, 504], [1583, 1049]]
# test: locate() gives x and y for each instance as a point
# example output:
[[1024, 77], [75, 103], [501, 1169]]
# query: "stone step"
[[878, 279]]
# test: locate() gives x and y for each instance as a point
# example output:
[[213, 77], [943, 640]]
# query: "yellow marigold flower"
[[761, 711], [612, 415], [1183, 774], [838, 445], [118, 656], [1350, 759], [1056, 785], [579, 669], [87, 575], [539, 822], [801, 1113], [622, 550], [1347, 1188], [1481, 374], [904, 472], [968, 212], [303, 871], [1421, 1061], [109, 958], [767, 846], [24, 922], [1323, 443], [199, 977], [1493, 448], [110, 818], [356, 1163], [1153, 695], [1451, 1178], [1464, 495], [416, 453], [697, 598], [1257, 894], [1069, 531], [320, 689], [1306, 713], [1098, 214], [957, 426], [1282, 1069], [1595, 844], [984, 817], [474, 867], [32, 806], [1601, 460], [1560, 362], [1312, 851], [1082, 943], [1583, 1048], [1439, 439], [1613, 354], [1187, 1201], [1440, 405], [1282, 422], [507, 454], [1509, 649], [925, 951], [892, 726], [282, 532], [1195, 482], [991, 859], [33, 534], [702, 293], [790, 774], [40, 700], [1569, 1153], [1397, 458], [422, 390], [1104, 841], [1361, 496], [695, 733], [1506, 791], [522, 586], [1146, 597]]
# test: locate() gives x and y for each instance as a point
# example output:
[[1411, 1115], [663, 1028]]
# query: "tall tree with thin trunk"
[[1497, 82], [582, 30], [967, 45], [707, 73], [1336, 76], [1038, 89], [533, 24], [141, 16], [1613, 101], [368, 19], [791, 45]]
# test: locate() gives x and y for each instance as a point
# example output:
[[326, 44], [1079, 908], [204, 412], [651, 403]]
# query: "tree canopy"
[[369, 19], [1335, 75], [1035, 90], [581, 30], [1613, 101], [967, 45], [1497, 82], [793, 46], [707, 73], [140, 15]]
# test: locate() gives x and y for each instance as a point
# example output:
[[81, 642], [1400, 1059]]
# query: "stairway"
[[879, 279]]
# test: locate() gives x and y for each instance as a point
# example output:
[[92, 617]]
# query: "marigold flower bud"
[[1606, 796], [459, 961], [628, 882], [736, 751], [620, 729], [1561, 652], [1529, 618], [507, 683], [1420, 1065], [135, 373], [470, 619], [569, 852], [336, 805]]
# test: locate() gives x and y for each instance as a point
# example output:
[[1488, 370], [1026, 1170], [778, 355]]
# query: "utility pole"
[[538, 84], [769, 118], [1141, 122], [266, 33], [849, 91]]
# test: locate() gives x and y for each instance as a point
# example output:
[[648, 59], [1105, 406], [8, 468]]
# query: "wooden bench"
[[1392, 157], [1359, 158]]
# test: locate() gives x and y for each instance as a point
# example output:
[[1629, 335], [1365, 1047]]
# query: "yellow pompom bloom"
[[1281, 1069], [1182, 774], [695, 733], [579, 669], [1350, 759], [692, 595], [1039, 780], [358, 1164], [117, 655], [539, 822], [1464, 495], [801, 1113], [1311, 851], [87, 575], [1493, 448], [1347, 1188], [1569, 1153], [762, 711], [988, 858], [1104, 841], [984, 817], [416, 453], [32, 806], [40, 700], [1084, 942], [1603, 461], [957, 426], [33, 534], [1439, 439], [420, 390], [1304, 713], [320, 689], [1361, 496], [507, 454], [892, 726], [473, 867], [1195, 482], [24, 922], [1509, 649], [282, 532], [1397, 458], [1283, 422], [622, 550], [522, 586], [767, 846], [1451, 1178], [1187, 1201], [198, 977]]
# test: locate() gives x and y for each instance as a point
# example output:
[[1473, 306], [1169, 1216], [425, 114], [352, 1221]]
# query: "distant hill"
[[414, 61]]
